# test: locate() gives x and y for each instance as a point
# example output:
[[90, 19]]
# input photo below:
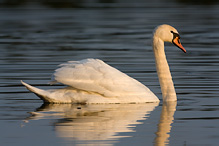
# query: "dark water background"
[[34, 39]]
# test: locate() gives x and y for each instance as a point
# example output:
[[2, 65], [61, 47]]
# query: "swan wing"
[[93, 75]]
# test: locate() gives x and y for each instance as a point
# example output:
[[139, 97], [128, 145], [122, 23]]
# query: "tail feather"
[[43, 94]]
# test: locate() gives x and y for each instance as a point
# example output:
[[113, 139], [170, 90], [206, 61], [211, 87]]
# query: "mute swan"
[[93, 81]]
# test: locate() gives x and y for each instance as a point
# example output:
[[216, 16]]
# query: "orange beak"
[[176, 42]]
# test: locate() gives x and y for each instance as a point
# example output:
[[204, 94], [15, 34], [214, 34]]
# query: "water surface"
[[33, 41]]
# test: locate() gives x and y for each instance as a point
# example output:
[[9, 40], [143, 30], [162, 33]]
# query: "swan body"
[[93, 81]]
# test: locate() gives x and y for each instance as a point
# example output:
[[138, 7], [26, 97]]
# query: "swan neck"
[[163, 71]]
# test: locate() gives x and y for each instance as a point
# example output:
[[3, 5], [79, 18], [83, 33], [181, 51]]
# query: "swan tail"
[[43, 94]]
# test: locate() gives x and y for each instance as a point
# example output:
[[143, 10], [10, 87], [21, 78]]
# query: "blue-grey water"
[[35, 39]]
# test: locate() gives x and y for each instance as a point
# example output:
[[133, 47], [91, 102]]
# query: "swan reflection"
[[101, 123], [164, 125]]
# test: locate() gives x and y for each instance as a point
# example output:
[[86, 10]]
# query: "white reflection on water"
[[99, 123], [103, 124], [164, 126]]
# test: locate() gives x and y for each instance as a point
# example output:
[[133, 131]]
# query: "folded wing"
[[93, 75]]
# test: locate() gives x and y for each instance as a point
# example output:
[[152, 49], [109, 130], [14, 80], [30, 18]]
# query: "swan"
[[91, 81]]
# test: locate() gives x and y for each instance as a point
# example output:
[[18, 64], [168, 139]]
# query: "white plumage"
[[96, 76], [93, 81]]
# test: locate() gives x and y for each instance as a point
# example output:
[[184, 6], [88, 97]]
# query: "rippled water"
[[34, 41]]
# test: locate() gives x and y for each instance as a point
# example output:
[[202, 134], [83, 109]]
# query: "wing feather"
[[93, 75]]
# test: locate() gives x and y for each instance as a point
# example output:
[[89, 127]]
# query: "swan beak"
[[177, 42]]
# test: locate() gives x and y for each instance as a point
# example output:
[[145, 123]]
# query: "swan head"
[[168, 33]]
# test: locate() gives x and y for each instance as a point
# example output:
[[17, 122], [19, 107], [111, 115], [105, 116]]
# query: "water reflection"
[[164, 126], [94, 124], [104, 124]]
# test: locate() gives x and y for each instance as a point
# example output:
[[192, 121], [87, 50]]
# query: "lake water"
[[33, 41]]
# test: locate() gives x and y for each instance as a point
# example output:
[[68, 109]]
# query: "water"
[[34, 41]]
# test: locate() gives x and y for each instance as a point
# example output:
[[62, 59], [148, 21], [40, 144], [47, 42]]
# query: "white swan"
[[93, 81]]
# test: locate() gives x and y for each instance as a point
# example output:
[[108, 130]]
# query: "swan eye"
[[175, 35]]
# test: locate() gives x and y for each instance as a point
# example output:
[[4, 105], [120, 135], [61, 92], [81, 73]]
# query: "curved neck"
[[163, 71]]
